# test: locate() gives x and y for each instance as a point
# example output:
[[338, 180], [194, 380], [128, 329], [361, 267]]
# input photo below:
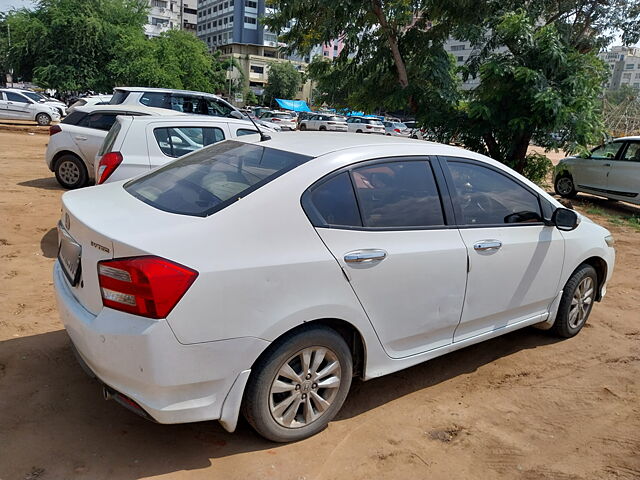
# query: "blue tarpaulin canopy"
[[295, 105]]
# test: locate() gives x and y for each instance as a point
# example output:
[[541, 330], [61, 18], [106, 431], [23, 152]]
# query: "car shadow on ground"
[[49, 243], [46, 183], [44, 388]]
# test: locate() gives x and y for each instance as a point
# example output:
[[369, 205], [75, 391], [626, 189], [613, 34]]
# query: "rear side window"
[[243, 131], [334, 203], [212, 178], [178, 141], [109, 140], [74, 118], [398, 194], [99, 120], [119, 96], [487, 197], [16, 97], [155, 99]]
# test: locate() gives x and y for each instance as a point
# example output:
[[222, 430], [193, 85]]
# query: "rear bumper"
[[142, 359]]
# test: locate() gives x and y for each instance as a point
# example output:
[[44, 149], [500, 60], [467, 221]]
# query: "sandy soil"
[[524, 406]]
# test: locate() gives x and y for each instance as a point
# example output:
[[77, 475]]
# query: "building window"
[[159, 21], [250, 4], [251, 20], [460, 59], [335, 48], [630, 66], [256, 69], [325, 53], [159, 3], [457, 48]]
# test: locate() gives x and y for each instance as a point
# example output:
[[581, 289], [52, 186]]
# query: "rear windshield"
[[208, 180], [74, 118], [336, 119], [285, 116], [372, 121], [118, 97]]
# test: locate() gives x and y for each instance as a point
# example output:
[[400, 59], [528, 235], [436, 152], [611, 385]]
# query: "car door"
[[19, 107], [3, 106], [387, 226], [591, 173], [515, 259], [623, 180]]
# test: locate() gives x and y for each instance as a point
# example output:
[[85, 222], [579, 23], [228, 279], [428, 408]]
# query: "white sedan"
[[611, 170], [365, 125], [261, 277]]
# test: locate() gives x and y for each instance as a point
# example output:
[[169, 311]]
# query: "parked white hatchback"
[[611, 170], [136, 145], [74, 143], [263, 276], [16, 105]]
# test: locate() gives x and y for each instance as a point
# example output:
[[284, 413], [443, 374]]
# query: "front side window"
[[486, 197], [35, 97], [178, 141], [212, 178], [398, 194], [606, 152], [633, 152]]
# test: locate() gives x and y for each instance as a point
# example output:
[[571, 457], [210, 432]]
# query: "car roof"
[[165, 90], [192, 119], [316, 144], [128, 108], [622, 139]]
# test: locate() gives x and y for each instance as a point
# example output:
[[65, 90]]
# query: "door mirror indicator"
[[565, 219]]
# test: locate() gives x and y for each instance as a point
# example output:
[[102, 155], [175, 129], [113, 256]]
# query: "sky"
[[9, 4]]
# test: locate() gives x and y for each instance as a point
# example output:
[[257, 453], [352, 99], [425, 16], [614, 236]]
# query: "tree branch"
[[392, 39]]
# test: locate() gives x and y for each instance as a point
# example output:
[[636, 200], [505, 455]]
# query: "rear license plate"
[[69, 253]]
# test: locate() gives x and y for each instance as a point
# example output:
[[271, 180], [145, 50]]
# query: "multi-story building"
[[624, 67], [234, 28], [168, 14]]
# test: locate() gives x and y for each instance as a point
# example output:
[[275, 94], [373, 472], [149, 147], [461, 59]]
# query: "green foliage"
[[624, 94], [80, 45], [538, 167], [284, 82], [250, 98]]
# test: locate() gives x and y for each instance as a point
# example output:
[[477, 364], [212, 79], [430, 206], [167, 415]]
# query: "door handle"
[[486, 245], [365, 256], [81, 138], [607, 165]]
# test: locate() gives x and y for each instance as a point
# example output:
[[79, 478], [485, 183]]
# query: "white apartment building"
[[624, 65], [169, 14]]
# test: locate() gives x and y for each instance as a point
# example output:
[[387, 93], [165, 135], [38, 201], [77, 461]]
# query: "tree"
[[536, 62], [624, 94], [250, 98], [284, 81]]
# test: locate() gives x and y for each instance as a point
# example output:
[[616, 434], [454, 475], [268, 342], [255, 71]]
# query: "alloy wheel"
[[305, 387], [564, 185], [581, 303], [69, 172]]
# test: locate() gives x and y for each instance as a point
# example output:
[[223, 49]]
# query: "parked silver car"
[[321, 122], [396, 129]]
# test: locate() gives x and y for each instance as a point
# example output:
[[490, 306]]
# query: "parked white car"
[[74, 143], [90, 101], [284, 120], [396, 129], [365, 125], [182, 101], [15, 105], [136, 145], [322, 122], [611, 170], [264, 276], [61, 107]]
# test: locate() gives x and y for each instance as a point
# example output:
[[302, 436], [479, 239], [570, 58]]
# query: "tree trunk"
[[517, 157], [403, 79], [492, 146]]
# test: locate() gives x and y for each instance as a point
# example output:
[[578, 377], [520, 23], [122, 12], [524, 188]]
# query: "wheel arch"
[[349, 332], [601, 268]]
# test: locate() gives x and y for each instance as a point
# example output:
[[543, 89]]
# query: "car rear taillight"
[[276, 120], [53, 129], [368, 126], [146, 286], [108, 163], [397, 130]]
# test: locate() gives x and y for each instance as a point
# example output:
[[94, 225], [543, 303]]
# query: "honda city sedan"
[[261, 278]]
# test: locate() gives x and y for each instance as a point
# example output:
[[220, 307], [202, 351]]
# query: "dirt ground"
[[522, 406]]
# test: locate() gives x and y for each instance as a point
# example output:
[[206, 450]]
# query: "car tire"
[[288, 415], [43, 119], [564, 186], [303, 127], [578, 296], [323, 129], [71, 172], [358, 131]]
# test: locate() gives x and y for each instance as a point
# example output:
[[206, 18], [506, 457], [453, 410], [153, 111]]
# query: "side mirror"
[[565, 219], [236, 114]]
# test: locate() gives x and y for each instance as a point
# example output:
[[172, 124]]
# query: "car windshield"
[[208, 180], [34, 96]]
